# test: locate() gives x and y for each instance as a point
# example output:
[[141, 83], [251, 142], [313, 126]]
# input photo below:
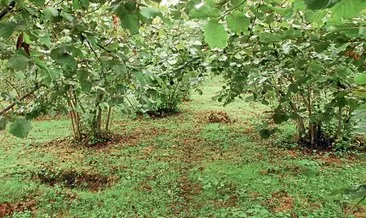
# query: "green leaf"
[[355, 192], [67, 16], [149, 12], [316, 67], [315, 16], [18, 62], [85, 4], [320, 4], [280, 117], [360, 79], [3, 123], [38, 3], [7, 29], [131, 22], [63, 57], [85, 84], [321, 46], [119, 69], [238, 22], [45, 39], [129, 19], [26, 38], [50, 13], [349, 8], [140, 77], [20, 128], [215, 34], [239, 4], [204, 11], [265, 133], [55, 74], [269, 37], [76, 4]]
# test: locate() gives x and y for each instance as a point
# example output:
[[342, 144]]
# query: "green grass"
[[179, 166]]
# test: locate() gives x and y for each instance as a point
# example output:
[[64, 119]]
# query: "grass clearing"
[[178, 166]]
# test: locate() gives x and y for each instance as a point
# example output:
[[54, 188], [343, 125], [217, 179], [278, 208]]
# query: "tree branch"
[[6, 10], [5, 110]]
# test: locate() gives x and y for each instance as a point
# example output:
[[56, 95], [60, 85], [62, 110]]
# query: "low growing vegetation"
[[199, 108]]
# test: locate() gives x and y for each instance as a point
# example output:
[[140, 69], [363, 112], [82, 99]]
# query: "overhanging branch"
[[5, 110], [6, 10]]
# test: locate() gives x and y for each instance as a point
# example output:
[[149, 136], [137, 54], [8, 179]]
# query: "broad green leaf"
[[84, 4], [55, 74], [140, 77], [50, 12], [67, 16], [20, 128], [40, 63], [63, 57], [315, 16], [38, 2], [280, 117], [26, 38], [84, 82], [45, 39], [349, 8], [291, 34], [204, 11], [239, 4], [215, 34], [82, 75], [18, 62], [315, 67], [269, 37], [3, 122], [360, 79], [129, 19], [7, 29], [266, 133], [149, 12], [131, 22], [238, 22], [76, 4], [355, 192], [321, 46], [86, 86], [320, 4], [119, 69]]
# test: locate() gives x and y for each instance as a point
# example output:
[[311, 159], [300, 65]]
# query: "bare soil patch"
[[75, 179], [7, 209], [280, 202], [218, 117]]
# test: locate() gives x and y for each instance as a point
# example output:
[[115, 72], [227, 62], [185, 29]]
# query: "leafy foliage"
[[20, 128], [215, 34], [172, 66], [299, 61], [67, 57], [299, 56]]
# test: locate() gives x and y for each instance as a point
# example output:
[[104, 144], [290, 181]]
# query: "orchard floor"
[[180, 166]]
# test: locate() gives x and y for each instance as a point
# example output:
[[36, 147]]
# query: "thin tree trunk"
[[75, 119], [96, 128], [311, 123], [99, 120], [108, 122], [299, 120], [74, 123], [339, 132]]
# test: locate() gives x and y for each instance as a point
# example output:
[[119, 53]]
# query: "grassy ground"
[[181, 166]]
